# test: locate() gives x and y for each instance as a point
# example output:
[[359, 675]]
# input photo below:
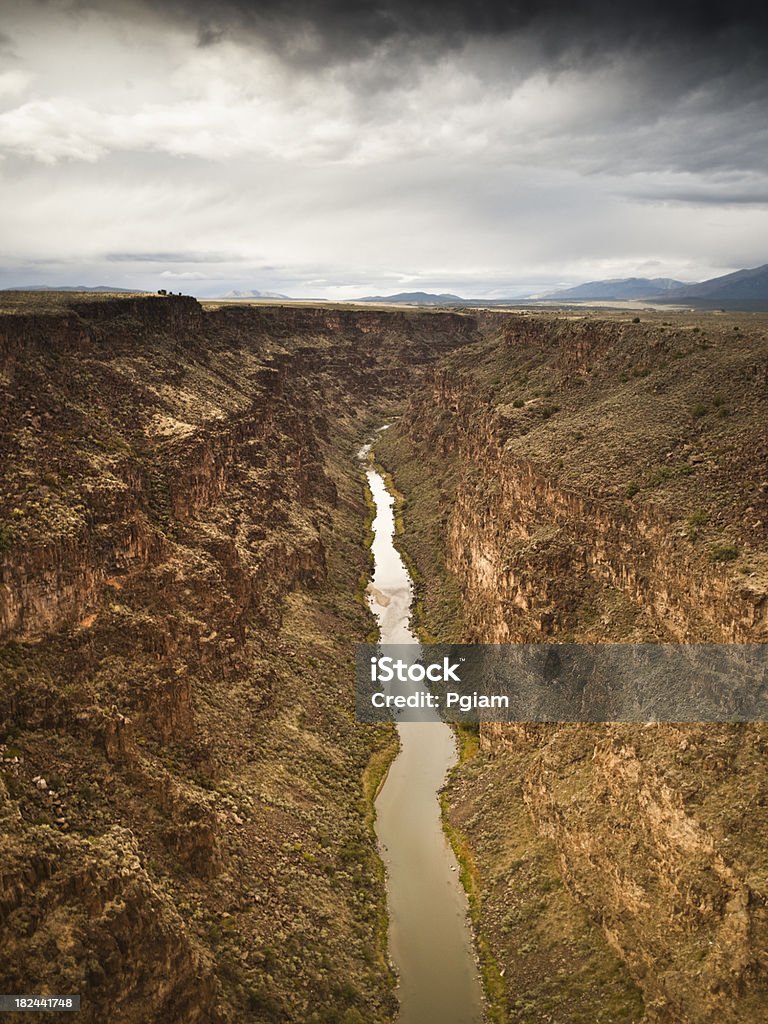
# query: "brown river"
[[430, 942]]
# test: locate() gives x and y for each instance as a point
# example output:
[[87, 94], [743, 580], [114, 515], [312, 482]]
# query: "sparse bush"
[[549, 410], [667, 472], [632, 489], [725, 552], [698, 518], [635, 319], [7, 537], [699, 410], [518, 403]]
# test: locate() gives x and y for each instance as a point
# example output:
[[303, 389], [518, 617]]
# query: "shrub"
[[725, 552], [549, 410], [635, 319], [6, 536], [518, 403], [699, 410], [698, 518], [632, 490]]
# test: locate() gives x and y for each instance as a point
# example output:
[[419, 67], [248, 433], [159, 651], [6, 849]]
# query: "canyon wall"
[[182, 532], [604, 480]]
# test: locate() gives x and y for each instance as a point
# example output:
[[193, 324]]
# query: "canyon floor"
[[185, 796]]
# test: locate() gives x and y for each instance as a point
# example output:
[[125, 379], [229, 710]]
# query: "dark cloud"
[[342, 25], [6, 47], [724, 196]]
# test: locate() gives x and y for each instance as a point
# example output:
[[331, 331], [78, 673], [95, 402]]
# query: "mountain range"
[[744, 289], [418, 299], [252, 293], [618, 288], [743, 286]]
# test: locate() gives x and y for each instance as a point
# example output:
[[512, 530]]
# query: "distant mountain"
[[70, 288], [744, 288], [252, 293], [617, 288], [417, 299]]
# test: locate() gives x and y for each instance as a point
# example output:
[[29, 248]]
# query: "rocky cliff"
[[182, 532], [601, 479]]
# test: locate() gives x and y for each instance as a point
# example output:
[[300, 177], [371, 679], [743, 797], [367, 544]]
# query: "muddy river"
[[430, 942]]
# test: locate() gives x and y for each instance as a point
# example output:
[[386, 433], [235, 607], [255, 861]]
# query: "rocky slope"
[[604, 479], [185, 835]]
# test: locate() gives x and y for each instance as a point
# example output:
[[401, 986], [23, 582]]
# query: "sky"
[[336, 149]]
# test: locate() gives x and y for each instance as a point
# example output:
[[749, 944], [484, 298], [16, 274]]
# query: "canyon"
[[186, 799]]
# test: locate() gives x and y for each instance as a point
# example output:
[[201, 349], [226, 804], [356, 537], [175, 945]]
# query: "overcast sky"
[[337, 149]]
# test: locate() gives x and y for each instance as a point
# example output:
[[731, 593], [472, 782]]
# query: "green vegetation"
[[549, 410], [664, 473], [493, 980], [7, 537], [694, 522], [724, 552], [698, 518]]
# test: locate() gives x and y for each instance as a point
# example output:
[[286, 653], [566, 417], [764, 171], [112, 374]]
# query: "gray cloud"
[[342, 149], [591, 22], [172, 257]]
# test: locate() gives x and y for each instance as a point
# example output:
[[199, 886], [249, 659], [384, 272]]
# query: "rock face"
[[602, 480], [101, 926], [181, 539]]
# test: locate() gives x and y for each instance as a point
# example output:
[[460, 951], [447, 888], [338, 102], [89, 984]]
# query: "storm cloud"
[[337, 149]]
